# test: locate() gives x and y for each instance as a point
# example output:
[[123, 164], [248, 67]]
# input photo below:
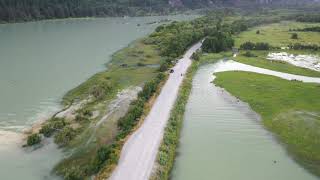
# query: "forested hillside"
[[26, 10]]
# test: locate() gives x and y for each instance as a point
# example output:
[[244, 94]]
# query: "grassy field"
[[290, 109], [130, 66], [261, 61], [278, 34]]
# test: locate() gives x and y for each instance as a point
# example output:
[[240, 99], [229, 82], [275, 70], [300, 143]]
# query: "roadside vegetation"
[[290, 109]]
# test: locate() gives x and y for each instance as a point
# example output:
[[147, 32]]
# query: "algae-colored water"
[[222, 139]]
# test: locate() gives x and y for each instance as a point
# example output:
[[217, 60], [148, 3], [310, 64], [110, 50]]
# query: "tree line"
[[27, 10], [308, 18], [307, 29]]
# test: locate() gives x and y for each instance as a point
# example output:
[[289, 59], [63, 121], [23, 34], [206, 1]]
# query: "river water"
[[222, 139], [39, 63]]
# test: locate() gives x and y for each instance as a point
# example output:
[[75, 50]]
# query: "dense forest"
[[27, 10]]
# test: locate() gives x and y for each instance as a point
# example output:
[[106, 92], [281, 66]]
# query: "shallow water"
[[222, 139], [39, 63]]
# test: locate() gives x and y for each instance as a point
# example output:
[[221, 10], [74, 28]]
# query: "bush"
[[299, 46], [64, 136], [308, 29], [247, 46], [258, 32], [140, 64], [262, 46], [294, 36], [83, 115], [103, 154], [217, 43], [52, 126], [47, 130], [33, 139], [164, 67], [160, 76], [255, 46], [249, 54], [308, 18], [100, 90], [74, 173], [196, 55]]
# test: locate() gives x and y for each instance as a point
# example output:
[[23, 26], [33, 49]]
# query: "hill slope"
[[26, 10]]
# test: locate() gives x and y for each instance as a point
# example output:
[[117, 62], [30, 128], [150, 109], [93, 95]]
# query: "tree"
[[294, 36], [255, 46], [33, 139], [247, 46], [217, 42], [64, 136]]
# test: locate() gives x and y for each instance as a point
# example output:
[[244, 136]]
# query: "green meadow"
[[290, 109], [279, 34]]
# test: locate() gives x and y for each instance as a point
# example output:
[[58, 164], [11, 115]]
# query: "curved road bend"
[[139, 153]]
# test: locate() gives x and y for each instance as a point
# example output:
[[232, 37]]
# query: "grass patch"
[[290, 109], [128, 67], [278, 34], [261, 61]]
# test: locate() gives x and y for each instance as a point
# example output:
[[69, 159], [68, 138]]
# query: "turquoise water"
[[223, 140]]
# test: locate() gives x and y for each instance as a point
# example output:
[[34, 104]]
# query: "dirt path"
[[231, 65], [139, 152]]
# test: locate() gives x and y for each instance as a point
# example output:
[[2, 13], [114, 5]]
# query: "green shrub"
[[298, 46], [247, 46], [196, 55], [47, 130], [308, 18], [100, 90], [103, 154], [255, 46], [33, 139], [164, 67], [52, 126], [217, 43], [294, 36], [249, 54], [83, 115], [74, 173], [64, 136]]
